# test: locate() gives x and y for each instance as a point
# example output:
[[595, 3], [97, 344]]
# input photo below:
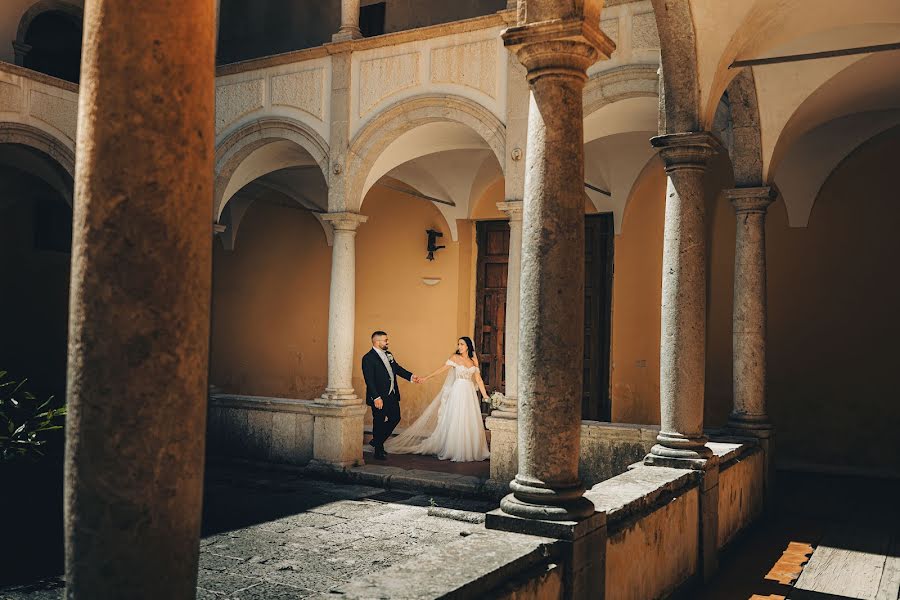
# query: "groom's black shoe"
[[380, 454]]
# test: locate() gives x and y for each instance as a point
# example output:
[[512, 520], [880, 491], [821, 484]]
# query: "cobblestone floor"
[[277, 535]]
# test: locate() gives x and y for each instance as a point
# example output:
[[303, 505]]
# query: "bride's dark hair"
[[469, 345]]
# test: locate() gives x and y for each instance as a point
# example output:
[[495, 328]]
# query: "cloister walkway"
[[273, 534]]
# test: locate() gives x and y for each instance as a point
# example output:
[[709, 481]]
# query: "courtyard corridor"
[[276, 534]]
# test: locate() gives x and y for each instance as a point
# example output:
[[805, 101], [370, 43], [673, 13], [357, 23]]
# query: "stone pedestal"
[[750, 416], [21, 50], [582, 546], [349, 22], [556, 55], [139, 308], [683, 346], [338, 434], [504, 447]]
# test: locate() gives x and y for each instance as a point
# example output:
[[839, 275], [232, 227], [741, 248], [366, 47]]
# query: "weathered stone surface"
[[547, 485], [383, 77], [741, 495], [473, 65], [500, 557], [235, 100], [683, 345], [60, 112], [139, 308], [303, 90]]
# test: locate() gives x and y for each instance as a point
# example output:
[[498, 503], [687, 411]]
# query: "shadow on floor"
[[810, 509]]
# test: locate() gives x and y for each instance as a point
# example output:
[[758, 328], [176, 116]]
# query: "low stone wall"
[[607, 449], [254, 427], [652, 544], [741, 491], [653, 520]]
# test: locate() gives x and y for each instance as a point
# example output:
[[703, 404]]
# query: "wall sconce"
[[432, 241]]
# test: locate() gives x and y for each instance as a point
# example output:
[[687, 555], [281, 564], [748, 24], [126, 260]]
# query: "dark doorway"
[[372, 18], [490, 315], [55, 40], [598, 274]]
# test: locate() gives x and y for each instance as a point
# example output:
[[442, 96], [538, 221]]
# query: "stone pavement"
[[276, 534]]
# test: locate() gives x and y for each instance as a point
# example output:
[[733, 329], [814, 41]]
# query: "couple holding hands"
[[450, 428]]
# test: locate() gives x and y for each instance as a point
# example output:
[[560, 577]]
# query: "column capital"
[[512, 208], [344, 221], [559, 47], [687, 149], [751, 200]]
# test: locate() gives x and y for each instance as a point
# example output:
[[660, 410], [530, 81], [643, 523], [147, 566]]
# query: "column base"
[[679, 452], [347, 34], [533, 499], [582, 547], [758, 426], [338, 435], [337, 397]]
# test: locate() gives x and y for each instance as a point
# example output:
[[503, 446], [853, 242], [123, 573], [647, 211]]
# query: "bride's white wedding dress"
[[451, 426]]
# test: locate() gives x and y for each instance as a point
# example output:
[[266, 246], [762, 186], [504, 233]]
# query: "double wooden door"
[[490, 317]]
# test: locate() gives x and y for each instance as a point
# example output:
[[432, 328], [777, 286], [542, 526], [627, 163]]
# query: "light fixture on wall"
[[432, 242]]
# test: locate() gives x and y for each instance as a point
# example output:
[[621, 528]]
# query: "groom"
[[380, 371]]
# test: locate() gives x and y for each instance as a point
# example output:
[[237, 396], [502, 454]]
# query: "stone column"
[[338, 431], [681, 442], [503, 422], [21, 50], [556, 42], [551, 343], [140, 293], [349, 22], [683, 347], [511, 329], [750, 416]]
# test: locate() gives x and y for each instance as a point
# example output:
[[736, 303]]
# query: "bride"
[[451, 426]]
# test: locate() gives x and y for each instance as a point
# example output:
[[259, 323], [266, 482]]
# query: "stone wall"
[[652, 513], [741, 493], [607, 449], [253, 427]]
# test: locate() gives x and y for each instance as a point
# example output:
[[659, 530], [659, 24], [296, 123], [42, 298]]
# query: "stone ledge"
[[732, 450], [482, 563], [38, 77], [639, 492], [261, 403]]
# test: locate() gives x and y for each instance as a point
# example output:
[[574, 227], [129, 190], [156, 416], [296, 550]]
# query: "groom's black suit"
[[378, 385]]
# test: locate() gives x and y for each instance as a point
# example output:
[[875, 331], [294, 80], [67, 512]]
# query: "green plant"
[[25, 421]]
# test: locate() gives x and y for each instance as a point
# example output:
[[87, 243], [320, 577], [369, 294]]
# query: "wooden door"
[[598, 274], [490, 305]]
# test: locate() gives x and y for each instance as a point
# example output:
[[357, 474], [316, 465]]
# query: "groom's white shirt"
[[387, 365]]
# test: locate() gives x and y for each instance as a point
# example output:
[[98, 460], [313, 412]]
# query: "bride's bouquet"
[[496, 400]]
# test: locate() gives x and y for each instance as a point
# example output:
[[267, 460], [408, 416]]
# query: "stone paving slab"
[[274, 534]]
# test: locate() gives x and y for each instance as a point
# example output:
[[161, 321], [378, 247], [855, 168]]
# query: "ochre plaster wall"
[[270, 306], [833, 321], [637, 285], [423, 321]]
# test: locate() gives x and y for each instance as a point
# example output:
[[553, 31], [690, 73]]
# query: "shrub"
[[25, 421]]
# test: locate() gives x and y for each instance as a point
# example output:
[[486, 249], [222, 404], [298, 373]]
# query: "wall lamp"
[[432, 242]]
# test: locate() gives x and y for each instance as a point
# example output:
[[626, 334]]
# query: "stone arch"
[[54, 148], [620, 112], [232, 151], [680, 88], [746, 151], [404, 116], [34, 11], [629, 81]]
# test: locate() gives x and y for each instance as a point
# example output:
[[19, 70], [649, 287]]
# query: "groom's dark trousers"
[[378, 385]]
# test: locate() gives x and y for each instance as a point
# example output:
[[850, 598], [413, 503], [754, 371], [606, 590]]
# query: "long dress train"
[[451, 427]]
